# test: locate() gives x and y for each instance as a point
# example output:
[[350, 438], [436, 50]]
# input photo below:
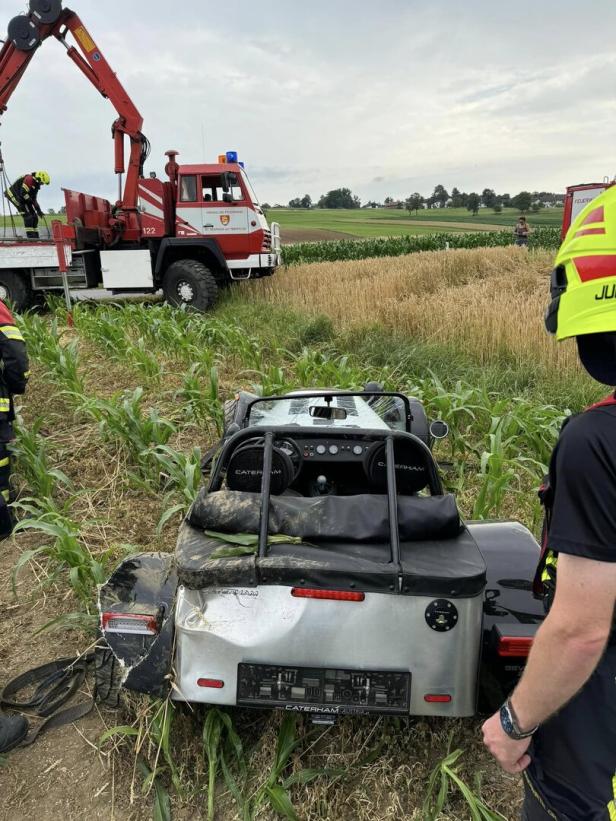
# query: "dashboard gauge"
[[358, 450], [333, 449], [321, 449]]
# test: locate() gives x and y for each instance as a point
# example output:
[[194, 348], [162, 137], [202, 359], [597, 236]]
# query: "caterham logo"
[[224, 218]]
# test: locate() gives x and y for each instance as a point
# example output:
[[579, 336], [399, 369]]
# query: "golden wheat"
[[488, 302]]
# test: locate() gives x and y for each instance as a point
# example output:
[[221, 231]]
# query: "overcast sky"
[[385, 97]]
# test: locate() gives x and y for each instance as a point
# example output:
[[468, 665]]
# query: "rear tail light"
[[215, 683], [437, 698], [514, 646], [130, 623], [335, 595]]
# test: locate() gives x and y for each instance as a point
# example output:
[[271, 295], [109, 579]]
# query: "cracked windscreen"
[[345, 411]]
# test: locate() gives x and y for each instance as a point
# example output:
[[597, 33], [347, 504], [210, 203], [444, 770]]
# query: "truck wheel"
[[15, 289], [189, 282]]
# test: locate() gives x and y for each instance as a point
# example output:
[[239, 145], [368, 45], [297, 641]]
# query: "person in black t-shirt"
[[559, 724]]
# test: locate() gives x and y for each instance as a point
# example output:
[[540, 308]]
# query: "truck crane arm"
[[47, 18]]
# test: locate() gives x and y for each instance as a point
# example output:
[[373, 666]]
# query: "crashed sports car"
[[324, 569]]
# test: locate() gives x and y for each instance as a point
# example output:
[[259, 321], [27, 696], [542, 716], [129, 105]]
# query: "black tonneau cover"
[[346, 544]]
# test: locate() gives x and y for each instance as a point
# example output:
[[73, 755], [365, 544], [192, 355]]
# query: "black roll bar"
[[390, 437], [266, 481]]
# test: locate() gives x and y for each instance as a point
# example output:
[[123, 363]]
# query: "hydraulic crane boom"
[[27, 32]]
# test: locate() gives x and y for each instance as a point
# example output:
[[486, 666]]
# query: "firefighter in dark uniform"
[[558, 726], [13, 379], [23, 194]]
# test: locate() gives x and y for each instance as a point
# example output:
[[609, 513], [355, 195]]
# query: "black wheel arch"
[[145, 583], [207, 251]]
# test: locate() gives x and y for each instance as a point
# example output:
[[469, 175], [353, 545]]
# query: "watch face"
[[506, 722]]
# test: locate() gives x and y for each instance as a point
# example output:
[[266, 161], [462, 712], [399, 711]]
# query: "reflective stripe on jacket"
[[14, 369]]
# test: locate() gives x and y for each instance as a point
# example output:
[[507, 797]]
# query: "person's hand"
[[510, 754]]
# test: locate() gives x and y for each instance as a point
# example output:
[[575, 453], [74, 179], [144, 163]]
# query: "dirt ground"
[[62, 775]]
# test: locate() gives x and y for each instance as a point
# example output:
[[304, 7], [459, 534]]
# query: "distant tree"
[[440, 195], [497, 207], [537, 205], [62, 210], [51, 212], [473, 203], [464, 198], [456, 198], [522, 201], [265, 206], [388, 201], [339, 198], [301, 202], [414, 202], [488, 197], [506, 200]]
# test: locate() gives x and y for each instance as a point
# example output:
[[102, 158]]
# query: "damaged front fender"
[[143, 585]]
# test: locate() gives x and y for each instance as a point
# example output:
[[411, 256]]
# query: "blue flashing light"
[[231, 156], [241, 164]]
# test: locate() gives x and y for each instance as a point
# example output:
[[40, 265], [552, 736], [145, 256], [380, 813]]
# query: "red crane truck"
[[189, 235]]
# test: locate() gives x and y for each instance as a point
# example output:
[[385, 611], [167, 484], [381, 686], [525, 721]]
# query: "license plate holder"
[[338, 691]]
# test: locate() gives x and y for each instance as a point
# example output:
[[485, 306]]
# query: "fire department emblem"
[[224, 218]]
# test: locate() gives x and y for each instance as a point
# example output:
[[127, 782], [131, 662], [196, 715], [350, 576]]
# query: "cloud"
[[383, 99]]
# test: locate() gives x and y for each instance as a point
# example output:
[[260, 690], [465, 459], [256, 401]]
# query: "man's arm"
[[13, 354], [567, 648]]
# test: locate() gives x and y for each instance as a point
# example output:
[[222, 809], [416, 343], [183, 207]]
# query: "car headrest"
[[411, 461], [245, 468]]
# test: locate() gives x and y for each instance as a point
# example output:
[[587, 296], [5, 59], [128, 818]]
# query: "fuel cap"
[[441, 615]]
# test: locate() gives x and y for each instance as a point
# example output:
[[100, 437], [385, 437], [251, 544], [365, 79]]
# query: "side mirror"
[[226, 197], [439, 429]]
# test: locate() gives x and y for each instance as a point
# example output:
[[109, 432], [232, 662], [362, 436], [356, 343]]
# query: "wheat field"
[[486, 302]]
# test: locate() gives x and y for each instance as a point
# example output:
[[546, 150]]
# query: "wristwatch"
[[510, 725]]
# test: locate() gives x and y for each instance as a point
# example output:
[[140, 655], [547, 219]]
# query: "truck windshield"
[[374, 411], [251, 191]]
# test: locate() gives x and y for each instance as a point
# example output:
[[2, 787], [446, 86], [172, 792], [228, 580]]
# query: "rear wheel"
[[15, 289], [191, 283]]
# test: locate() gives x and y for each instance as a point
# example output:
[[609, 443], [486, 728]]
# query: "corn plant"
[[31, 452], [444, 776], [200, 395], [314, 367], [180, 476], [123, 421], [332, 251], [67, 552]]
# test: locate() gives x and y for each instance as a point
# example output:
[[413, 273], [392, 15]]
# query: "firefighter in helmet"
[[23, 194], [13, 378], [559, 724]]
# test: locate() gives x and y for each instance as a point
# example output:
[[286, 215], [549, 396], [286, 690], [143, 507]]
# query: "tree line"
[[440, 198]]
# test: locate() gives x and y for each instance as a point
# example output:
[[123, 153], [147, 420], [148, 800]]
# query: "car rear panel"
[[429, 644]]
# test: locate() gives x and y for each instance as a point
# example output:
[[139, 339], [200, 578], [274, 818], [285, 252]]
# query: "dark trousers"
[[28, 212], [534, 808], [6, 514]]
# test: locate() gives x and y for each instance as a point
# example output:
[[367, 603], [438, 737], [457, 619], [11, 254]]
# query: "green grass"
[[393, 222], [123, 465]]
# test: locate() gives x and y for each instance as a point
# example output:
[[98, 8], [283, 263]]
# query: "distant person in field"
[[558, 726], [23, 194], [521, 231]]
